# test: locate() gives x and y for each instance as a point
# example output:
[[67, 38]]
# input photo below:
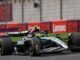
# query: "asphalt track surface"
[[66, 55]]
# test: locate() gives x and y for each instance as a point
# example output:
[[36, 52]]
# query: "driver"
[[34, 29]]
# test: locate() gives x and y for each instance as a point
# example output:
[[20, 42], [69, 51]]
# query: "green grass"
[[15, 39], [63, 36]]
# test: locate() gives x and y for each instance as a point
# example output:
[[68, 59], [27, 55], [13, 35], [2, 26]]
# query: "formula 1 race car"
[[35, 44]]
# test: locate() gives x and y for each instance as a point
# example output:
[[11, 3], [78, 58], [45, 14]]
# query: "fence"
[[52, 27]]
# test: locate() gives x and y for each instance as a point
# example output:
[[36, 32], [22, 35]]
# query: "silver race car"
[[32, 43]]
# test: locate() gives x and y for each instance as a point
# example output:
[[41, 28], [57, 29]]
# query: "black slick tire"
[[6, 46], [34, 46]]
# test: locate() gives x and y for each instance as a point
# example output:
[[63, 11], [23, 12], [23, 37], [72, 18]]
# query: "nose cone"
[[60, 42]]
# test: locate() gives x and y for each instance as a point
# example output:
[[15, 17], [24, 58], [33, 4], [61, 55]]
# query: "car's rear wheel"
[[34, 46], [6, 46], [74, 42]]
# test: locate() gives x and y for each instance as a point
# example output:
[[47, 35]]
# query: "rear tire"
[[73, 42], [6, 46]]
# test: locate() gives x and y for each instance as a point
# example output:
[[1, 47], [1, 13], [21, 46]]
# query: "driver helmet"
[[35, 29]]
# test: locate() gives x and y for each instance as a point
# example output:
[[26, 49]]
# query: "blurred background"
[[56, 16]]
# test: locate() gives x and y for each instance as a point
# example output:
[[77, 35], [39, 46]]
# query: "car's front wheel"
[[34, 46]]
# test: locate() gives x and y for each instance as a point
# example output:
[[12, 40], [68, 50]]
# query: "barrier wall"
[[59, 26], [22, 27], [72, 26], [52, 27], [2, 28], [65, 26], [78, 26], [46, 26]]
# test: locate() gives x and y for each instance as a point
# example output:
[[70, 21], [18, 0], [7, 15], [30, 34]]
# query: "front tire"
[[34, 46]]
